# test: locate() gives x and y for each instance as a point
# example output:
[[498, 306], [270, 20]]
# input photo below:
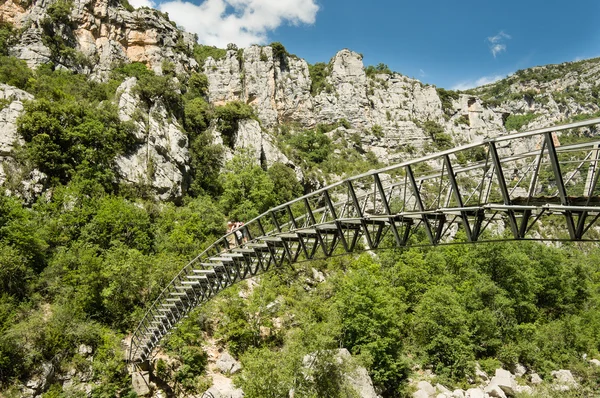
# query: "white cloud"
[[497, 48], [142, 3], [499, 37], [243, 22], [422, 73], [496, 43], [482, 81]]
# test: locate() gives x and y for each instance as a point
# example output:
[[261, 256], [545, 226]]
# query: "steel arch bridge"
[[510, 182]]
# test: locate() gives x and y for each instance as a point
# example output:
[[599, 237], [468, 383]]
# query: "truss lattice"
[[511, 182]]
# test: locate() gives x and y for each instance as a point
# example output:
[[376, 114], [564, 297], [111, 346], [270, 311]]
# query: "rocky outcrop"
[[227, 364], [11, 101], [160, 160], [357, 378], [279, 87], [105, 33], [504, 384]]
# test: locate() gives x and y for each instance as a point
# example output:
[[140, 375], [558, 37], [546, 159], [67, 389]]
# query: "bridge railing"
[[513, 179]]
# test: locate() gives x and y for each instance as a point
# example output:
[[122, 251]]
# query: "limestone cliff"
[[393, 116], [104, 32]]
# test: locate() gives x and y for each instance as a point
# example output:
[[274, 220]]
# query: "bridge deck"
[[521, 180]]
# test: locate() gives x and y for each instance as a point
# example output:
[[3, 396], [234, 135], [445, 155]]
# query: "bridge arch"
[[510, 181]]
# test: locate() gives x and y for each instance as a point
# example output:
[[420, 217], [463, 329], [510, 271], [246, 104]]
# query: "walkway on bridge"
[[509, 182]]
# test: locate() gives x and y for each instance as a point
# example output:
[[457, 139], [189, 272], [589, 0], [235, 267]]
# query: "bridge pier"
[[140, 378]]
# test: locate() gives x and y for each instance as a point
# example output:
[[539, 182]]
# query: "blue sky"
[[452, 44]]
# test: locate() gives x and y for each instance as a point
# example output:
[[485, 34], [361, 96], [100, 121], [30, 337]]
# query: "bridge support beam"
[[560, 184]]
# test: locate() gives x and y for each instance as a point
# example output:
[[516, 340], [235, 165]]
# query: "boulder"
[[141, 383], [481, 374], [227, 364], [493, 390], [536, 379], [420, 394], [506, 381], [520, 370], [525, 390], [427, 387], [458, 393], [563, 380], [474, 393], [595, 362], [223, 388], [442, 389]]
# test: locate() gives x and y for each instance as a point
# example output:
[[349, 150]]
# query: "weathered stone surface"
[[474, 393], [520, 370], [104, 32], [536, 379], [442, 389], [493, 390], [480, 373], [525, 390], [85, 350], [8, 117], [228, 364], [420, 394], [426, 387], [458, 393], [161, 159], [505, 380], [563, 380], [595, 361], [141, 383], [223, 388]]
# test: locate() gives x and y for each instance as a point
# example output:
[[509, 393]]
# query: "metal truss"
[[471, 193]]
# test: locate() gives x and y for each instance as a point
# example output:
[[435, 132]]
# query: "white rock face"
[[424, 390], [227, 364], [505, 380], [280, 91], [563, 380], [474, 393], [520, 370], [8, 117], [536, 379], [106, 33], [251, 136], [223, 388], [493, 390], [458, 393], [161, 158]]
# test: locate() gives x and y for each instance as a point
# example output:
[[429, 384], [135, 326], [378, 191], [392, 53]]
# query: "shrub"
[[14, 72], [446, 96], [377, 131], [516, 122], [318, 76], [379, 69], [229, 116], [436, 132], [7, 37], [202, 52], [279, 51]]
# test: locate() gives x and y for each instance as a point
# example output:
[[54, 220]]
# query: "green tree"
[[373, 325], [229, 116], [311, 145], [441, 331], [247, 188], [285, 185], [69, 138]]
